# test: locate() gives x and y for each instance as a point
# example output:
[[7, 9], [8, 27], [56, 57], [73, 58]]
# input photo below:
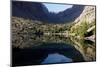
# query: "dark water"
[[51, 50]]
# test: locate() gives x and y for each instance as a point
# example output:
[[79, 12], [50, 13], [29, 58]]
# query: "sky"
[[57, 7]]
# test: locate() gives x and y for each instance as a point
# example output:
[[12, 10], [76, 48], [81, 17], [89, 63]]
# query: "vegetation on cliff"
[[84, 25], [81, 30]]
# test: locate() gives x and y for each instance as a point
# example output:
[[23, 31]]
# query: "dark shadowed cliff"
[[29, 10], [38, 11]]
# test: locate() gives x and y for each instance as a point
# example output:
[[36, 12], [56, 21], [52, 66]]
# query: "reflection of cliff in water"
[[37, 54], [87, 48], [25, 41], [33, 50]]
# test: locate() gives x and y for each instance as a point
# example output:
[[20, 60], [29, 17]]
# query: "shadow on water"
[[50, 50]]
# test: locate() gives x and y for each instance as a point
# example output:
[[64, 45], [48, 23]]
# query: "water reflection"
[[51, 49], [56, 58], [87, 48]]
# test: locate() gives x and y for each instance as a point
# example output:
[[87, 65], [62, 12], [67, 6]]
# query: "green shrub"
[[80, 30]]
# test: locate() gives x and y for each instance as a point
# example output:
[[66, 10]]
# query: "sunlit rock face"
[[88, 15], [87, 19]]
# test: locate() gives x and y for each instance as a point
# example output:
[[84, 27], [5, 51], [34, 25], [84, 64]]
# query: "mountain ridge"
[[38, 11]]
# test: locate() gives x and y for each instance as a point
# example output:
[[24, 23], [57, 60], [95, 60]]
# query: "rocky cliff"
[[88, 15], [85, 24]]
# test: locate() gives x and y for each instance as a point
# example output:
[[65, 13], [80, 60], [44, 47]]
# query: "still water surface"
[[50, 50]]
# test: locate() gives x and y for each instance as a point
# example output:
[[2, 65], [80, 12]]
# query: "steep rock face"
[[88, 15], [84, 25]]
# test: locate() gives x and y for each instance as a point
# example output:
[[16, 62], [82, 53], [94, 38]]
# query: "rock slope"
[[86, 20], [88, 15]]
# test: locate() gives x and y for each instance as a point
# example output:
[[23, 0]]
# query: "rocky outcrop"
[[84, 25], [87, 15]]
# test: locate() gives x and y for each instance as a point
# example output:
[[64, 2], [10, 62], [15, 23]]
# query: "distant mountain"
[[38, 11], [29, 10], [71, 14]]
